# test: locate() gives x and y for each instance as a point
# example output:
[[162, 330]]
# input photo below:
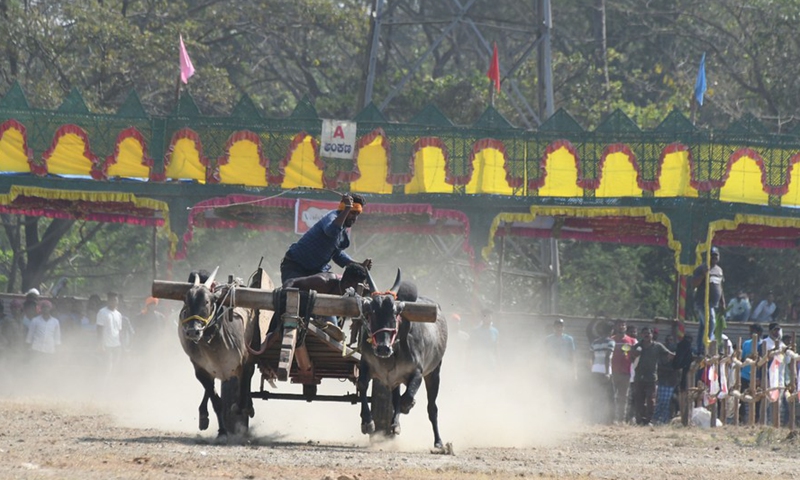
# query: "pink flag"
[[187, 69]]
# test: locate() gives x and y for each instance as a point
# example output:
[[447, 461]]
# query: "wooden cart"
[[290, 346]]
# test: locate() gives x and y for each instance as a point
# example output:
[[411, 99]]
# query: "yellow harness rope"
[[205, 320]]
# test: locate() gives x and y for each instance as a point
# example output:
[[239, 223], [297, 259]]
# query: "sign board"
[[338, 139], [309, 212]]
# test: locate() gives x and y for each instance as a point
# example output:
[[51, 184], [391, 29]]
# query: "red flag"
[[187, 69], [494, 70]]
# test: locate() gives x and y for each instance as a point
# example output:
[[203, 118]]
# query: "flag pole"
[[177, 90], [693, 110]]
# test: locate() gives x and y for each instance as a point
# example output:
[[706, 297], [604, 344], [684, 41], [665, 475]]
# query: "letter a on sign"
[[338, 139]]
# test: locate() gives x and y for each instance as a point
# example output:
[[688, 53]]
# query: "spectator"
[[631, 411], [30, 310], [739, 308], [682, 363], [668, 378], [765, 311], [561, 348], [151, 324], [621, 369], [794, 310], [770, 343], [484, 339], [109, 328], [602, 350], [460, 337], [44, 334], [649, 353], [745, 375], [714, 277]]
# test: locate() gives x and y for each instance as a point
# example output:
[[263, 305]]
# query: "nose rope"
[[204, 320], [393, 331]]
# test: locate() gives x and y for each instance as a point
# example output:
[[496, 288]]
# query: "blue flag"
[[700, 85]]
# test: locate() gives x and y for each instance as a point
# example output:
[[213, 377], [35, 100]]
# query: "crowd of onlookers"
[[35, 330]]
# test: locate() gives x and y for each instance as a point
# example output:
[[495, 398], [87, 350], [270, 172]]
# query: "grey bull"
[[215, 337], [395, 352]]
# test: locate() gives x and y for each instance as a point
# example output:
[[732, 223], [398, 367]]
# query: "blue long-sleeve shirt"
[[322, 243]]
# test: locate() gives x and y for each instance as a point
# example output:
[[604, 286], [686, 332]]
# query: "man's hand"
[[347, 200], [367, 264]]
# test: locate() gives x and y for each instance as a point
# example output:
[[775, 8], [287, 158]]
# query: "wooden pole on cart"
[[324, 305], [713, 361]]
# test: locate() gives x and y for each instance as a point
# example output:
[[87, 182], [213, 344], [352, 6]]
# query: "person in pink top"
[[621, 369]]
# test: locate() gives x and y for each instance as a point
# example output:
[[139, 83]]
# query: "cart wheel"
[[382, 408], [236, 422]]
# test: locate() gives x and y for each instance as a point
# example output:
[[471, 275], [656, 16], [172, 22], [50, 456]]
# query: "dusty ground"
[[67, 423]]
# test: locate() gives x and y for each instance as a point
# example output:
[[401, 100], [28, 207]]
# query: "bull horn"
[[371, 282], [396, 282], [196, 279], [210, 280]]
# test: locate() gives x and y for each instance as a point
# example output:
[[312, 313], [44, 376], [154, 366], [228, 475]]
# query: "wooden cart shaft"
[[329, 305]]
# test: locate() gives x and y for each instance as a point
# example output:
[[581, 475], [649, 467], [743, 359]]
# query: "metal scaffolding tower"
[[461, 32]]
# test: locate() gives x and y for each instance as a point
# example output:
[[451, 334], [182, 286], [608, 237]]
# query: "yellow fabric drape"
[[429, 173], [618, 178], [302, 171], [744, 184], [129, 161], [184, 162], [372, 164], [489, 174], [12, 152], [68, 157], [675, 179], [562, 176], [243, 167]]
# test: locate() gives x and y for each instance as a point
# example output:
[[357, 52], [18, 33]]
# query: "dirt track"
[[63, 422], [46, 439]]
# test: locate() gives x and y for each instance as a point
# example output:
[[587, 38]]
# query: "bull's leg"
[[432, 388], [208, 393], [407, 401], [245, 400], [367, 424], [395, 427]]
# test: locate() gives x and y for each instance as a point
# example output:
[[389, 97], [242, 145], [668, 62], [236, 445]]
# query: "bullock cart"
[[288, 345]]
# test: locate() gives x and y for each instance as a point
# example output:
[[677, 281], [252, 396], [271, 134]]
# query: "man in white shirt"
[[44, 334], [765, 310], [109, 326]]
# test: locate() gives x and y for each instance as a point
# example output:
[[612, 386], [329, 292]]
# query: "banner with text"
[[309, 212]]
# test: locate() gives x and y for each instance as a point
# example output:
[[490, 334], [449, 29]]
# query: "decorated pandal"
[[617, 183]]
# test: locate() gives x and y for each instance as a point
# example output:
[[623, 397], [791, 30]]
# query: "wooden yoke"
[[328, 305]]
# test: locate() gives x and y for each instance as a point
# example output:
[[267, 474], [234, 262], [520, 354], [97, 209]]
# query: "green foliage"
[[613, 280]]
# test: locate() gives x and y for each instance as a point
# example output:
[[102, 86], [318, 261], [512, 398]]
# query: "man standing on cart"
[[324, 242]]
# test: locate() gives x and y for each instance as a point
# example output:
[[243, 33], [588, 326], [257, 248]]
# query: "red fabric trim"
[[37, 168], [94, 217], [131, 132], [212, 173], [81, 133], [537, 183], [296, 141]]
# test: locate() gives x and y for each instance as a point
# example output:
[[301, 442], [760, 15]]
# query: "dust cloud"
[[514, 402]]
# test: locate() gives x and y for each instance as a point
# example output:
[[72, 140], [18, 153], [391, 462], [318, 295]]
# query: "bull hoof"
[[406, 404], [203, 423], [394, 429], [368, 428], [438, 445]]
